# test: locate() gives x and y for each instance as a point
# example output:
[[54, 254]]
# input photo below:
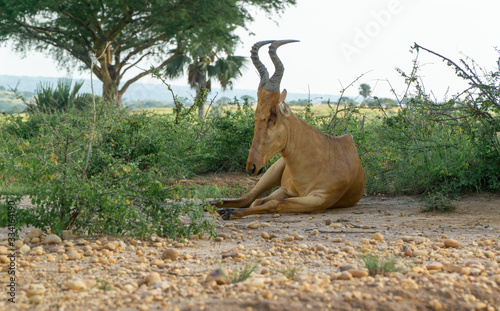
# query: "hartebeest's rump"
[[315, 171]]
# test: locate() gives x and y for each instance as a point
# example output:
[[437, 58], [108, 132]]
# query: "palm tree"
[[203, 65]]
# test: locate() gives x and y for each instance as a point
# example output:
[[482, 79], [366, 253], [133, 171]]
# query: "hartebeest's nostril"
[[251, 171]]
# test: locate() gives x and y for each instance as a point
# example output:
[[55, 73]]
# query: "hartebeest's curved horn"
[[274, 82], [264, 75]]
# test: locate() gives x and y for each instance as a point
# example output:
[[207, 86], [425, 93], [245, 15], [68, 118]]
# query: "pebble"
[[52, 239], [24, 249], [170, 253], [76, 284], [35, 289], [434, 266], [112, 246], [378, 237], [435, 305], [151, 278], [230, 254], [74, 255], [265, 235], [451, 243], [253, 225], [345, 275], [35, 233], [216, 276], [358, 273]]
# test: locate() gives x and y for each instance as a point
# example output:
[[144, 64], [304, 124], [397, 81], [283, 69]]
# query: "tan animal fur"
[[315, 171]]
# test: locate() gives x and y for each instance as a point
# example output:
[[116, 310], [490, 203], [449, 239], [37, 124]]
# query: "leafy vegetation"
[[380, 265], [239, 274], [109, 170], [119, 35]]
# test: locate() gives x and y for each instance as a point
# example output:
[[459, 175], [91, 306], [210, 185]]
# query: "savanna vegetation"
[[96, 168]]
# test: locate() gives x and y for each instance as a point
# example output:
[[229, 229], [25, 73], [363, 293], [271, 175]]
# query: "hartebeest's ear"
[[284, 109], [283, 96]]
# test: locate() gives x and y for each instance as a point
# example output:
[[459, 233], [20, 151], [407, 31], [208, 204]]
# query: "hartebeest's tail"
[[273, 84]]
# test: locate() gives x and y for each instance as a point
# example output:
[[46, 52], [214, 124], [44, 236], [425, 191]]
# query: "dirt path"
[[325, 249]]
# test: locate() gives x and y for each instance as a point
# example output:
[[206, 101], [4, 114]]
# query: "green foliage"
[[365, 90], [63, 98], [431, 147], [377, 265], [126, 32], [239, 275], [114, 189], [439, 202], [290, 272], [228, 138]]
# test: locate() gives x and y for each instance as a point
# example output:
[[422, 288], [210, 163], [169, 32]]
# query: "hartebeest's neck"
[[306, 142]]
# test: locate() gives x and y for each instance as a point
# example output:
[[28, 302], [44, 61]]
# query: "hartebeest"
[[315, 171]]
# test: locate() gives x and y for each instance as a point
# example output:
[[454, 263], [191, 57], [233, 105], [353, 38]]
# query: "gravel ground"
[[446, 261]]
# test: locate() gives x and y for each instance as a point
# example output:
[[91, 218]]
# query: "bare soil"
[[446, 261]]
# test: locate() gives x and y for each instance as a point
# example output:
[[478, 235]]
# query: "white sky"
[[341, 40]]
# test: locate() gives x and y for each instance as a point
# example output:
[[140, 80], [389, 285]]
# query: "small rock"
[[35, 233], [435, 305], [170, 253], [18, 244], [314, 232], [320, 248], [151, 278], [434, 266], [52, 239], [378, 237], [74, 255], [67, 235], [35, 289], [231, 254], [409, 284], [345, 276], [255, 282], [451, 243], [358, 273], [265, 236], [112, 246], [24, 249], [35, 299], [253, 225], [217, 276], [76, 284], [303, 246]]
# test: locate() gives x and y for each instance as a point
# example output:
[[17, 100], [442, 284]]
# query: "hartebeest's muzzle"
[[251, 171]]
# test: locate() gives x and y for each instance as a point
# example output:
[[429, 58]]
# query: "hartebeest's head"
[[269, 137]]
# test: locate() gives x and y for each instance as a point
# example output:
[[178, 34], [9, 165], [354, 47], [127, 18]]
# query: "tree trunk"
[[110, 92], [201, 98]]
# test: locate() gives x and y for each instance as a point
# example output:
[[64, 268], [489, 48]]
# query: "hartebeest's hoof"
[[225, 213]]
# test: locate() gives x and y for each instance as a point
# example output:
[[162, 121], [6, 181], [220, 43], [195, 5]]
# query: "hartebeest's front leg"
[[311, 203], [269, 180]]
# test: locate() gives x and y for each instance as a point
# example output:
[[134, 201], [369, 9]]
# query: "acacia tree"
[[118, 35], [365, 90], [203, 65]]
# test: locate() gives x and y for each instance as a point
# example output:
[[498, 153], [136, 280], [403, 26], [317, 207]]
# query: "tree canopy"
[[118, 35]]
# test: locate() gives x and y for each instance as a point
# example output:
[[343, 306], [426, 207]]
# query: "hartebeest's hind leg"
[[311, 203], [270, 179]]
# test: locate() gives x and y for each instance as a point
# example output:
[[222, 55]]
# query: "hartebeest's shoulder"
[[315, 172]]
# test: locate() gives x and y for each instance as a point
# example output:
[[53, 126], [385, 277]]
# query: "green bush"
[[63, 98], [227, 140], [113, 189]]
